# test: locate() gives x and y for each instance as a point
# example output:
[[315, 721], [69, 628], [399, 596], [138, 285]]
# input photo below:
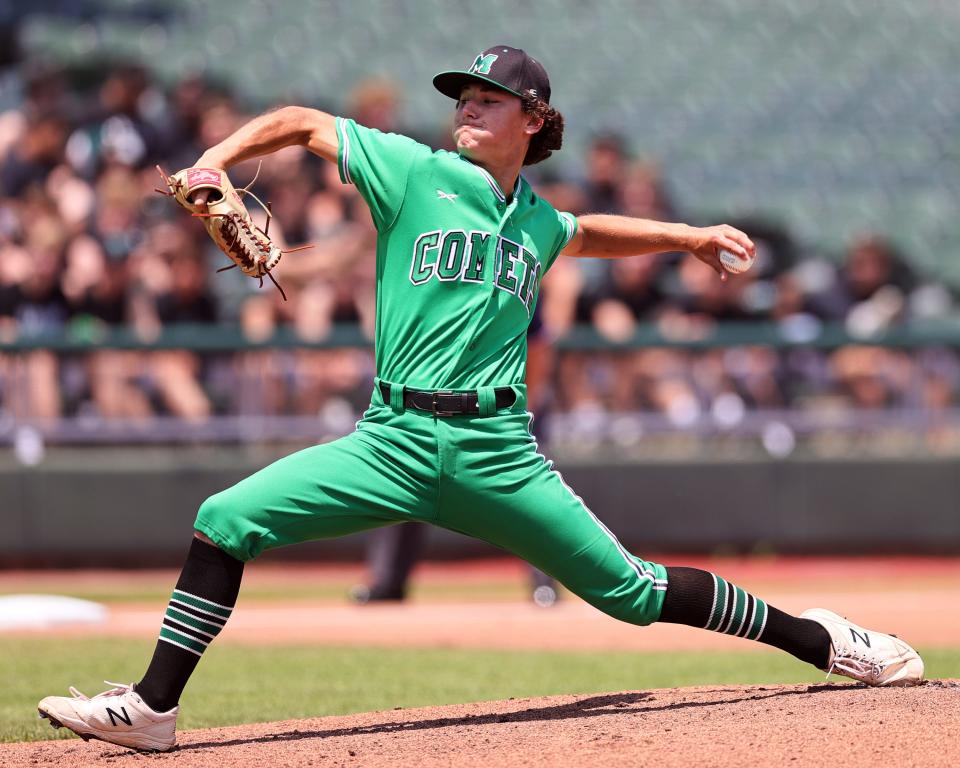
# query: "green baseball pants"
[[478, 475]]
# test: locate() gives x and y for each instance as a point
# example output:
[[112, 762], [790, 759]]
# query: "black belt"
[[442, 402]]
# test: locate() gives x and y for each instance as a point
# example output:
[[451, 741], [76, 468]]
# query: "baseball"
[[733, 263]]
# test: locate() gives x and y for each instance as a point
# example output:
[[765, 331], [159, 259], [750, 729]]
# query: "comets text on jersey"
[[456, 255]]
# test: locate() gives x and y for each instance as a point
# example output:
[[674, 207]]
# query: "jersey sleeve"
[[567, 225], [378, 164]]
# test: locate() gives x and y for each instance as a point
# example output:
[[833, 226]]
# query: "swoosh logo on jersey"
[[451, 196]]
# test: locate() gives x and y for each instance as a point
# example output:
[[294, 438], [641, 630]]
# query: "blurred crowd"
[[86, 243]]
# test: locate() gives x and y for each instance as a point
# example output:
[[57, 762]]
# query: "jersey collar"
[[493, 182]]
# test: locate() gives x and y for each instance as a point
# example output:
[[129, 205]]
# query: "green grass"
[[239, 683], [334, 591]]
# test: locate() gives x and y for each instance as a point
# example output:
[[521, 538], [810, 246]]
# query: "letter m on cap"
[[482, 64]]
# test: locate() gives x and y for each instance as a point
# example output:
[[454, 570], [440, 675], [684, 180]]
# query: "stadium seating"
[[836, 116]]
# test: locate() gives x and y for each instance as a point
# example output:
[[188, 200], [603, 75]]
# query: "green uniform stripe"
[[570, 226], [193, 621], [178, 637], [749, 611], [719, 604], [758, 622], [740, 603], [203, 605]]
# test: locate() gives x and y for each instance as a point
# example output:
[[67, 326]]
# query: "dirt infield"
[[572, 625], [900, 595], [842, 724]]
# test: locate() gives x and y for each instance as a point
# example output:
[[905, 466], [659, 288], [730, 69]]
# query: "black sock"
[[701, 599], [201, 604]]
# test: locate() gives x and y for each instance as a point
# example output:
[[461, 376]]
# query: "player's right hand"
[[707, 242]]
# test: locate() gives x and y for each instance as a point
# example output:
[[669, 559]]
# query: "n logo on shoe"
[[864, 638], [114, 716]]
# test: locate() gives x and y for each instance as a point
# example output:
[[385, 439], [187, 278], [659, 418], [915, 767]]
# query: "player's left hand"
[[707, 242]]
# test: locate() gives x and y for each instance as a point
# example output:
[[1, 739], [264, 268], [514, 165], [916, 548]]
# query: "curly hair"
[[550, 137]]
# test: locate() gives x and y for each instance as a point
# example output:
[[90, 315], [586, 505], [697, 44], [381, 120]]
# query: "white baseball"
[[733, 263]]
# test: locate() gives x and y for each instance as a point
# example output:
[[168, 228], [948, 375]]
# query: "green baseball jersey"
[[458, 266]]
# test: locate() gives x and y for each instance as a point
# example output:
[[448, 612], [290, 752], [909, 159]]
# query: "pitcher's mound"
[[839, 724]]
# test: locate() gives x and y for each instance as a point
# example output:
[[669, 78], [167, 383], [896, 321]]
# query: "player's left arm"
[[275, 130], [603, 236]]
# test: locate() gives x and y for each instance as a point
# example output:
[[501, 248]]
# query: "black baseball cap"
[[509, 69]]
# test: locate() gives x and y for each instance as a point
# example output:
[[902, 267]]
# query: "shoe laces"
[[118, 690], [855, 662]]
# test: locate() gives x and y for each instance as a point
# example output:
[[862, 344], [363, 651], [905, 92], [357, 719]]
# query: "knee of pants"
[[639, 605], [222, 522], [641, 611]]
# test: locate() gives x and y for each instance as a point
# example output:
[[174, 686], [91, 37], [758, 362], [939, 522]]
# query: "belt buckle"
[[435, 407]]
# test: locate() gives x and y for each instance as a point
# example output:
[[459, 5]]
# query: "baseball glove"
[[227, 220]]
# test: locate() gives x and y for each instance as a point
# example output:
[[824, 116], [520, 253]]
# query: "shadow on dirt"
[[594, 706]]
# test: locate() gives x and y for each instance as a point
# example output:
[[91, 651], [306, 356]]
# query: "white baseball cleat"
[[874, 658], [118, 716]]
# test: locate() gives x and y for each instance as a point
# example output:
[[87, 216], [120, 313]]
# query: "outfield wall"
[[138, 507]]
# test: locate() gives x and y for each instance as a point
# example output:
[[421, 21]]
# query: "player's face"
[[490, 126]]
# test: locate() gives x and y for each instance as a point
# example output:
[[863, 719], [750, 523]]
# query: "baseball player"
[[463, 242]]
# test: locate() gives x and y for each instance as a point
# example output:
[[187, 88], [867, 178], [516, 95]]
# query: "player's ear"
[[533, 124]]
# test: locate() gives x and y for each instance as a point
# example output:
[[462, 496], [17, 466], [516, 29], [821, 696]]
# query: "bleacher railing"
[[205, 338], [778, 430]]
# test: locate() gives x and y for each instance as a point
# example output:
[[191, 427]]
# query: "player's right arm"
[[284, 127], [604, 236]]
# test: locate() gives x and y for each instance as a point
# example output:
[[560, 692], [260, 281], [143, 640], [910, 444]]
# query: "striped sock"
[[735, 611], [702, 599], [198, 609], [191, 622]]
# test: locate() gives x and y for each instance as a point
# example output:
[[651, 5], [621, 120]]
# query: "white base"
[[46, 611]]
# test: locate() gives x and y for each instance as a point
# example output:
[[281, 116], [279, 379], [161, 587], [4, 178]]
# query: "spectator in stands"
[[868, 296], [606, 161], [95, 289], [38, 150], [871, 377], [188, 101], [74, 198], [117, 222], [31, 304], [177, 372], [124, 128], [871, 285]]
